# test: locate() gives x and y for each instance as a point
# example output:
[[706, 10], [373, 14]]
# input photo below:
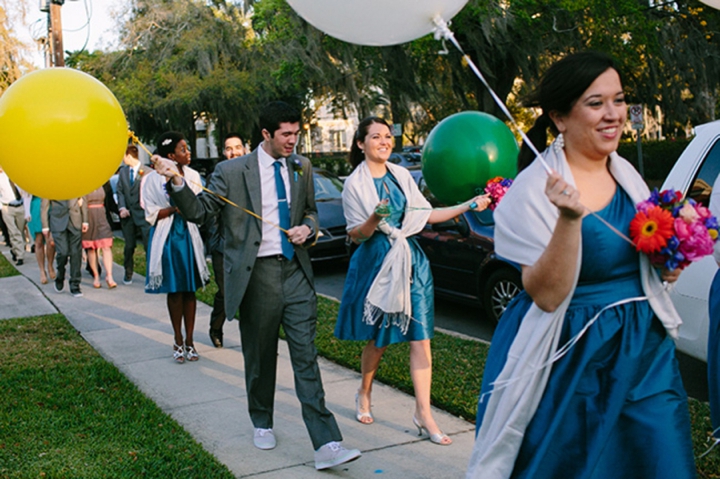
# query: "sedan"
[[328, 198], [462, 257]]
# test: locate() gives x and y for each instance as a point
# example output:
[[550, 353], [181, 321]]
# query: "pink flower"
[[688, 213], [697, 242], [703, 212], [644, 206]]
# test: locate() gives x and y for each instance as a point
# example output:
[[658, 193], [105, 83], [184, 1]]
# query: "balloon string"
[[135, 139], [443, 32]]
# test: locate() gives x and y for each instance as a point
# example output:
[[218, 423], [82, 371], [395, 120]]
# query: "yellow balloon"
[[64, 133]]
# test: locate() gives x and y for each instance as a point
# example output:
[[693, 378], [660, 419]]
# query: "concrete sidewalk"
[[132, 330]]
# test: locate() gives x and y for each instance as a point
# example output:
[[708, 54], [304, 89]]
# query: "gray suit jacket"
[[128, 196], [238, 180], [56, 215]]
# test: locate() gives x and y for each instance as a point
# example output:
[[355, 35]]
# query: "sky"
[[100, 32]]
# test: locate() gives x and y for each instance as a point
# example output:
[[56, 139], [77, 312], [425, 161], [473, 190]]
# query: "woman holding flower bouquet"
[[388, 295], [581, 380]]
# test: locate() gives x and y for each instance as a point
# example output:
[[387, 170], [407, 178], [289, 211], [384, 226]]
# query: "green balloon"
[[463, 152]]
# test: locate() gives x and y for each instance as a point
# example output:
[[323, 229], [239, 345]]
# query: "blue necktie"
[[283, 211], [132, 176]]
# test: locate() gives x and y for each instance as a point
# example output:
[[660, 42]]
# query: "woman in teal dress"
[[581, 379], [44, 249], [176, 258], [388, 294]]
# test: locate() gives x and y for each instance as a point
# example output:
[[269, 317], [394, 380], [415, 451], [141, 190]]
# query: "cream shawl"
[[154, 198], [525, 220], [390, 291]]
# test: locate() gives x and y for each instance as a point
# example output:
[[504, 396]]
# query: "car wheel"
[[502, 286]]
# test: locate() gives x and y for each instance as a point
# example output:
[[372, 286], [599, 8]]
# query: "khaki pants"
[[14, 218]]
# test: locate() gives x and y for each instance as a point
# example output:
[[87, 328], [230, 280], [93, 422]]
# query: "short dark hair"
[[167, 142], [232, 135], [132, 150], [277, 112], [560, 88], [356, 155]]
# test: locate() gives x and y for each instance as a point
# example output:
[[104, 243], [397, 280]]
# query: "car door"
[[450, 248], [694, 174]]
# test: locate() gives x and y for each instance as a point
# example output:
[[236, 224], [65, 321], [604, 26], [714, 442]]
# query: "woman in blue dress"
[[611, 403], [388, 294], [44, 249], [176, 258]]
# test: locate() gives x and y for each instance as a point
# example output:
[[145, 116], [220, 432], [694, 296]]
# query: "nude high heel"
[[439, 438]]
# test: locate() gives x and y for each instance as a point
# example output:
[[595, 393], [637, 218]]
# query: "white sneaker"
[[333, 454], [264, 438]]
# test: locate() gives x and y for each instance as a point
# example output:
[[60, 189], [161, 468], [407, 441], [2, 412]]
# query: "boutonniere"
[[140, 172], [297, 170]]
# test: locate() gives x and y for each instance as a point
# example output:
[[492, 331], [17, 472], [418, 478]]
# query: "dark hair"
[[167, 142], [560, 87], [356, 155], [277, 112], [132, 150], [232, 135]]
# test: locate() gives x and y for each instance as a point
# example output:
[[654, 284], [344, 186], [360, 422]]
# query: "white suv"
[[694, 174]]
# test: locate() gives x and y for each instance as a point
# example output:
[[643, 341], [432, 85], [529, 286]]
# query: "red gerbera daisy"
[[651, 229]]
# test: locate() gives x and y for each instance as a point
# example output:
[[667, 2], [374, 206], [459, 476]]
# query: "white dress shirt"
[[271, 244]]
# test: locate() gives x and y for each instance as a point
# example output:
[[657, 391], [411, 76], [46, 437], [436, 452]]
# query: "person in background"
[[176, 259], [14, 214], [63, 222], [132, 215], [215, 246], [98, 237], [542, 414], [44, 250], [383, 209], [271, 278]]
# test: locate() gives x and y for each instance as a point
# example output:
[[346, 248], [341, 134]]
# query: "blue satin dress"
[[714, 355], [180, 272], [364, 266], [614, 406]]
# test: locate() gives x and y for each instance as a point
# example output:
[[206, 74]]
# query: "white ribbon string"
[[715, 443], [443, 32], [562, 351]]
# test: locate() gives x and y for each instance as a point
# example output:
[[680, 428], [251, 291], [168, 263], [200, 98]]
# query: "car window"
[[327, 187], [701, 187]]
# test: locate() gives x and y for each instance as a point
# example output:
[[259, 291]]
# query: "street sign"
[[636, 117], [397, 129]]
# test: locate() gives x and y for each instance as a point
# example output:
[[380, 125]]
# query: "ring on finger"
[[566, 192]]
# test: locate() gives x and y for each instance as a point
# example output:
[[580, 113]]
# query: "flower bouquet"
[[496, 188], [673, 231]]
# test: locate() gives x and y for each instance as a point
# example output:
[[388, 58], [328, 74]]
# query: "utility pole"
[[55, 33]]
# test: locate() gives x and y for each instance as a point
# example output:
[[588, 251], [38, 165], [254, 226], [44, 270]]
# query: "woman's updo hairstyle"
[[356, 154], [560, 87], [167, 142]]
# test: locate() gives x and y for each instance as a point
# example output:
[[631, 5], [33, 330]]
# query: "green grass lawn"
[[64, 400]]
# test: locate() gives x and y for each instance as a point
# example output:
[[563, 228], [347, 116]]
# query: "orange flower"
[[651, 229]]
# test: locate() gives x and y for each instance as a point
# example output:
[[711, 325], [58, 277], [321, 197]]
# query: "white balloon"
[[712, 3], [376, 22]]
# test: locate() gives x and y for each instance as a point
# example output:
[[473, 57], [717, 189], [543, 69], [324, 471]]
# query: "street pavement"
[[132, 330]]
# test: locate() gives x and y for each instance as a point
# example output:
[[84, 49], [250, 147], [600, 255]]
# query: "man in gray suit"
[[132, 216], [63, 223], [268, 273]]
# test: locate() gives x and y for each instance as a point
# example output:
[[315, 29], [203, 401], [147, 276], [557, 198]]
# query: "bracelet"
[[473, 205], [362, 238]]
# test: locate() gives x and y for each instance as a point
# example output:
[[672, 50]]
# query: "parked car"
[[328, 198], [463, 260], [694, 174], [406, 159]]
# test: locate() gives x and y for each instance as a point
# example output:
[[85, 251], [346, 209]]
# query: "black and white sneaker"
[[59, 284], [76, 292]]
